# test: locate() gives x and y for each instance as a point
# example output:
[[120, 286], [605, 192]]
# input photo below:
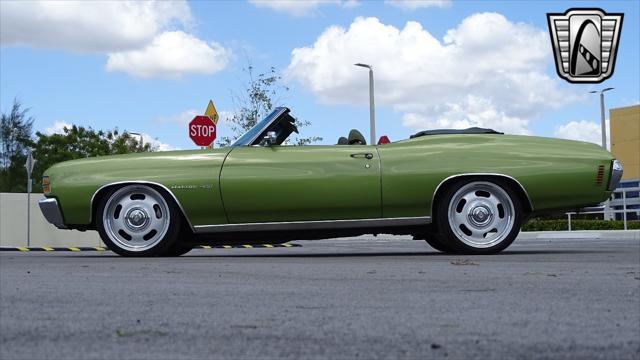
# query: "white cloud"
[[186, 116], [161, 146], [88, 26], [57, 128], [182, 118], [300, 8], [417, 4], [171, 55], [487, 71], [583, 131]]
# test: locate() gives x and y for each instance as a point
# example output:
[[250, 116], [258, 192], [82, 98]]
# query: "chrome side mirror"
[[270, 139]]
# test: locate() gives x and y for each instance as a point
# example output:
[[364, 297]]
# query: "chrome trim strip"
[[51, 212], [141, 182], [616, 175], [314, 225], [479, 174]]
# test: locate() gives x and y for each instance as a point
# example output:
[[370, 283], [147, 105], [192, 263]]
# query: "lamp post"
[[602, 123], [141, 139], [372, 110]]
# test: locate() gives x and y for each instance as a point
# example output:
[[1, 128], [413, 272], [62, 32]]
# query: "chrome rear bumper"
[[51, 212], [616, 175]]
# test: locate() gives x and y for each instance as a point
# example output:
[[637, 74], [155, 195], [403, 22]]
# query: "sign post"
[[29, 166]]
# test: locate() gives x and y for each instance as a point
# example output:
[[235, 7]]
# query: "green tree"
[[78, 142], [15, 139], [255, 101]]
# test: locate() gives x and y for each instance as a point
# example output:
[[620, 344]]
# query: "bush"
[[578, 224]]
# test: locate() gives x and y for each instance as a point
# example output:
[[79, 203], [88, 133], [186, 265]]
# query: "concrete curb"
[[581, 234]]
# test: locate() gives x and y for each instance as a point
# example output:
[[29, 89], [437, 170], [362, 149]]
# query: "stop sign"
[[202, 130]]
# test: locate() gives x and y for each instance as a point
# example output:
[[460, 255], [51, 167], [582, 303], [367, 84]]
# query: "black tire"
[[177, 250], [467, 237], [434, 240], [163, 242]]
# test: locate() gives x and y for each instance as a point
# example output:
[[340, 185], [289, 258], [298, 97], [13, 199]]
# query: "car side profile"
[[462, 191]]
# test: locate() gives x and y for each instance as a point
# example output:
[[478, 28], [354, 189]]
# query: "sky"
[[150, 67]]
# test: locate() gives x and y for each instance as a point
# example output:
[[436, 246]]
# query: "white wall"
[[13, 225]]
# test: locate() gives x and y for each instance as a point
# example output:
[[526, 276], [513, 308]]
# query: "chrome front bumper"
[[51, 212], [616, 175]]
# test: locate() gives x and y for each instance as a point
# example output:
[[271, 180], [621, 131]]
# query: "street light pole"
[[602, 122], [372, 106]]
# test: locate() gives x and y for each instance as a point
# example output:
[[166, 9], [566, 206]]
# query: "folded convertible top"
[[471, 130]]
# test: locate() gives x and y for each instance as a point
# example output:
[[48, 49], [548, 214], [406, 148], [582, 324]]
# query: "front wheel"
[[137, 220], [479, 217]]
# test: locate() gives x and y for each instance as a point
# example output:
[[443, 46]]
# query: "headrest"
[[356, 138]]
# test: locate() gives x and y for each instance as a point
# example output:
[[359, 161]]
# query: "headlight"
[[46, 185]]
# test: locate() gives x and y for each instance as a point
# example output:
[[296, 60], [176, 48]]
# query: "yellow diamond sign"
[[211, 112]]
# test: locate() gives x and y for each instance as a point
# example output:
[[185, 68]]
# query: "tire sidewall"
[[169, 240], [448, 236]]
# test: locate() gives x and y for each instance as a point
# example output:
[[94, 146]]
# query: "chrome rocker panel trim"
[[51, 212], [313, 225]]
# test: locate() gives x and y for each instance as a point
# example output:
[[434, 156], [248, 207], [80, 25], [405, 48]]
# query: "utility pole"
[[372, 106]]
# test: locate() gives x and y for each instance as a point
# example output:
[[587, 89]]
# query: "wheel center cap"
[[480, 215], [137, 218]]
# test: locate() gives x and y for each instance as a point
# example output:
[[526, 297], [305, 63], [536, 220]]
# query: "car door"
[[301, 183]]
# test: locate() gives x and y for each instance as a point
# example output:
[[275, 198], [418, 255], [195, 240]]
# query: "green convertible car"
[[463, 191]]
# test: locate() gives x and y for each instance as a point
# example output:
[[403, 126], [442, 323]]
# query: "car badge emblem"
[[585, 43]]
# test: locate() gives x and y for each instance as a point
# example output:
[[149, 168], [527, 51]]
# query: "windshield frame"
[[259, 128]]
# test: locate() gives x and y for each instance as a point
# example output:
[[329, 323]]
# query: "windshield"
[[258, 128]]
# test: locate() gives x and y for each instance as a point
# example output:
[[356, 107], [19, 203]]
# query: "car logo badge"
[[585, 43]]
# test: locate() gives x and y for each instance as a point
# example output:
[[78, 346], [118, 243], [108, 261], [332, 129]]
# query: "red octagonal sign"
[[202, 130]]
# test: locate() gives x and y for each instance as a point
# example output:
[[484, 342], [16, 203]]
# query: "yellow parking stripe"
[[103, 248]]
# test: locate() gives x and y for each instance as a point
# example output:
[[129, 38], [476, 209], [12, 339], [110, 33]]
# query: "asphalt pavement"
[[365, 298]]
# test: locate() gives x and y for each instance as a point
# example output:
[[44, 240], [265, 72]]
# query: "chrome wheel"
[[136, 218], [481, 214]]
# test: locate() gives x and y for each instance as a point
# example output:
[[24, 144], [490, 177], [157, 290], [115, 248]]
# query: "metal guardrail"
[[612, 202]]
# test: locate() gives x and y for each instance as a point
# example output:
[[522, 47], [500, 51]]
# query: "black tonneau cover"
[[471, 130]]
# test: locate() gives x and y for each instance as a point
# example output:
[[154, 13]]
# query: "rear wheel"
[[137, 220], [479, 217]]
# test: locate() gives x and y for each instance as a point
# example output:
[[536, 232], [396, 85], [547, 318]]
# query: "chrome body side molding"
[[314, 225], [480, 174], [140, 182]]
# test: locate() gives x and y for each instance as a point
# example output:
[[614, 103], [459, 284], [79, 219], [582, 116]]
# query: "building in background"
[[625, 146]]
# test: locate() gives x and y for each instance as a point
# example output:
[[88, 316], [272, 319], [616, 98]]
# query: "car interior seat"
[[356, 138]]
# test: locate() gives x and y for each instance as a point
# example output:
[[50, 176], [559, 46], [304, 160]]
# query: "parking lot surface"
[[384, 297]]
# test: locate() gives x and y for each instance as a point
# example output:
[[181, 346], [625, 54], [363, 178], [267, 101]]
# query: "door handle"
[[367, 156]]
